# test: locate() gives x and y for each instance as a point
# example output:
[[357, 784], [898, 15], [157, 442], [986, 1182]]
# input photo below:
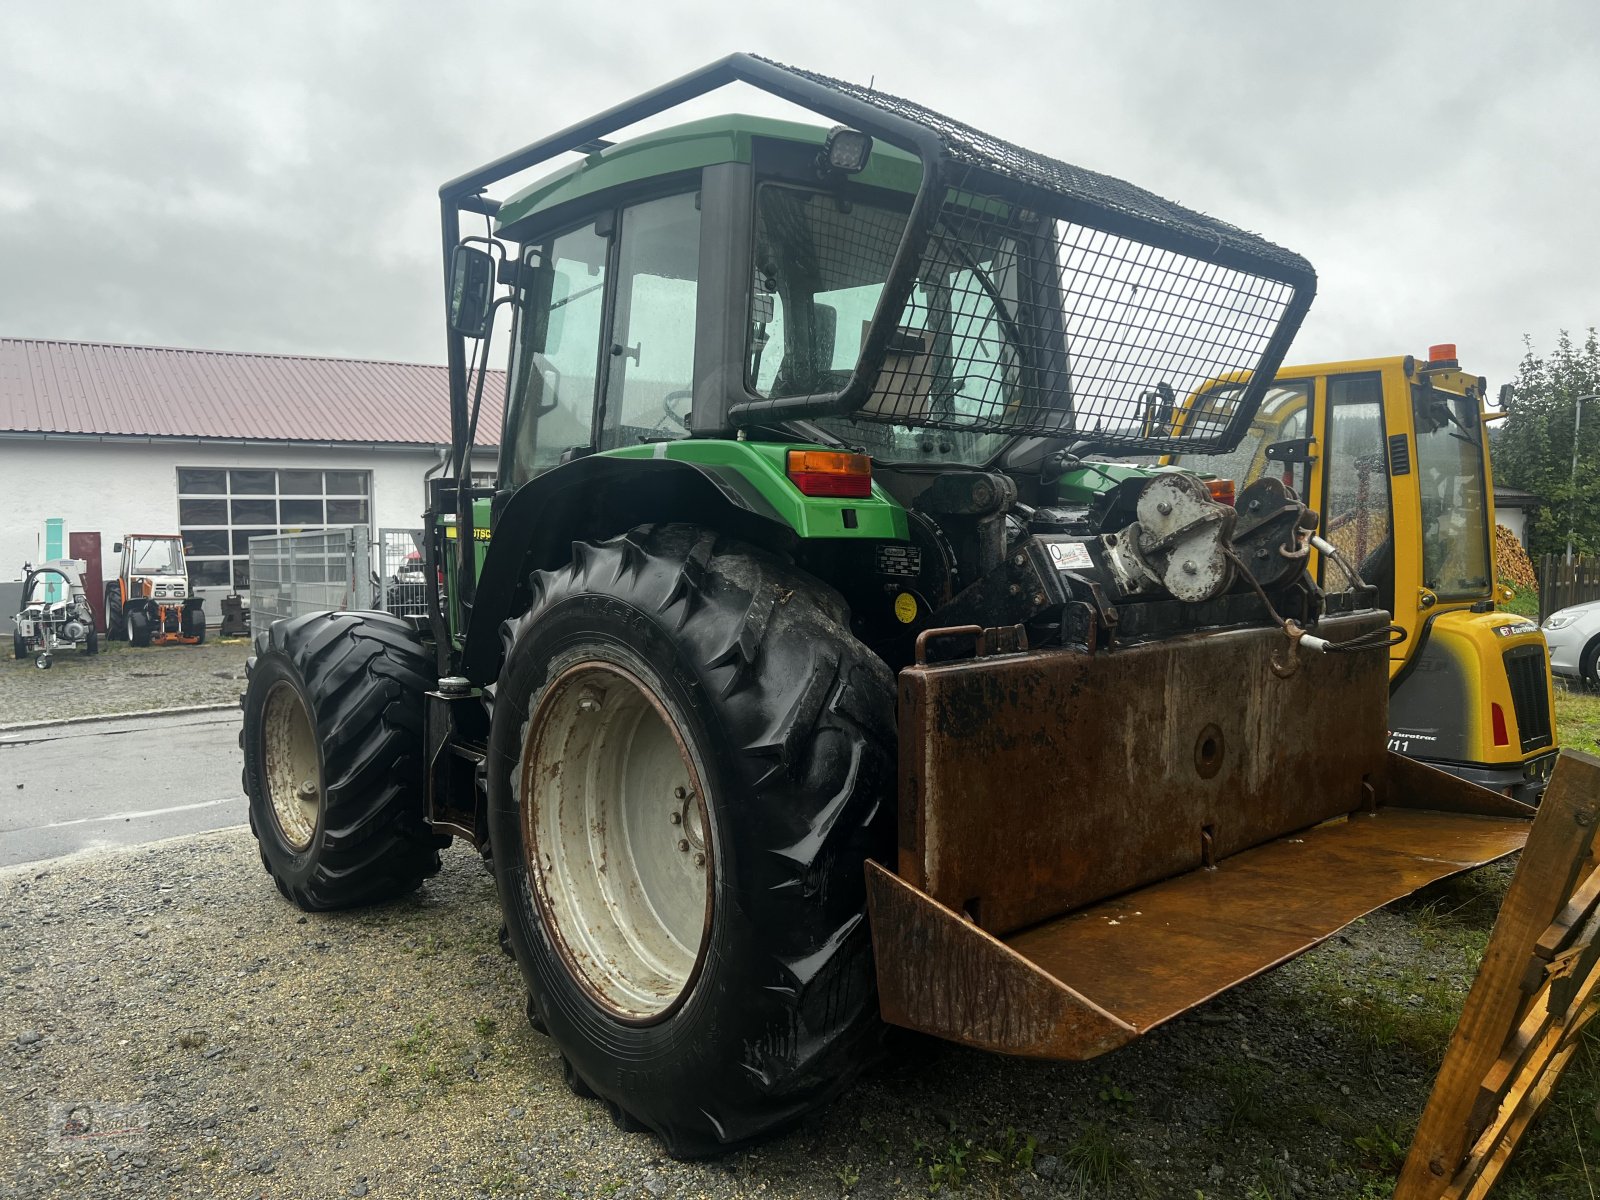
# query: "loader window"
[[1455, 550], [557, 354], [1281, 418], [1356, 512]]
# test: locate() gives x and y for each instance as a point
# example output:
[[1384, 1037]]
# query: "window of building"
[[220, 510]]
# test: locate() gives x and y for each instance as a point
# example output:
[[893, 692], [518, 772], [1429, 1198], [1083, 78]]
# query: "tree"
[[1532, 448]]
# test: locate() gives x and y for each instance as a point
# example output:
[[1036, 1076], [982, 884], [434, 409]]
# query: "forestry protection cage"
[[1030, 296], [1024, 295]]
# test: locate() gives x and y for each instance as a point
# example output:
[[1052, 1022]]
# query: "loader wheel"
[[194, 625], [333, 763], [139, 628], [19, 645], [690, 760], [91, 643], [116, 622]]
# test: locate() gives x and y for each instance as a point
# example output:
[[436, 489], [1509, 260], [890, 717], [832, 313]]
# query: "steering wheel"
[[666, 407]]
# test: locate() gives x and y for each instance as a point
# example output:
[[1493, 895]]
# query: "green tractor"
[[816, 664]]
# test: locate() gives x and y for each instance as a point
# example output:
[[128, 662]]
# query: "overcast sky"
[[264, 177]]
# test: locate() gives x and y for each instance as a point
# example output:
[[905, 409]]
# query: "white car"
[[1574, 638]]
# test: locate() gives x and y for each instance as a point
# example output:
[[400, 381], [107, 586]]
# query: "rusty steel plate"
[[1080, 985], [1036, 783], [1154, 953]]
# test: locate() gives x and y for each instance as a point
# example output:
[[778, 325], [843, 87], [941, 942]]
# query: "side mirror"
[[471, 291], [116, 547], [1508, 393]]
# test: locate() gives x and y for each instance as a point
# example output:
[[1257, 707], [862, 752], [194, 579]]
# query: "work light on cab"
[[831, 473], [846, 150]]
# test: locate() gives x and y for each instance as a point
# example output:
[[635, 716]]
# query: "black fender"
[[592, 498]]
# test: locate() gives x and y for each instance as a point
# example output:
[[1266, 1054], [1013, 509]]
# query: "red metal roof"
[[152, 391]]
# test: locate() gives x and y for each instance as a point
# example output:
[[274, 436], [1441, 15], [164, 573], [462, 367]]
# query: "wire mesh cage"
[[1041, 298]]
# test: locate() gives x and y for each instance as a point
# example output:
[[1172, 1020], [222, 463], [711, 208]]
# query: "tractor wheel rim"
[[290, 764], [615, 823]]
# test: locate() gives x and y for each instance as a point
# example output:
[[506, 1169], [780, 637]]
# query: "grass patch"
[[1094, 1163], [958, 1160], [1578, 719]]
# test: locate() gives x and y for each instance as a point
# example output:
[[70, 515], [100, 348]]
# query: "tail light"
[[1221, 490], [1497, 716], [831, 473]]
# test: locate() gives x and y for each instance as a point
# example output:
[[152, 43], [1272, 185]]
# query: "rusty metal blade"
[[1086, 983], [1035, 783]]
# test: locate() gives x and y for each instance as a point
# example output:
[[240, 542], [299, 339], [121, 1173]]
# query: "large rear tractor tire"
[[333, 761], [690, 761], [139, 627], [116, 622]]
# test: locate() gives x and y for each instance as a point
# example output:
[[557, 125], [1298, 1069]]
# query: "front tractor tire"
[[139, 627], [333, 764], [116, 619], [690, 760]]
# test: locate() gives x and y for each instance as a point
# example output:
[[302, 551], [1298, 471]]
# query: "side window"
[[557, 354], [652, 342], [1356, 515]]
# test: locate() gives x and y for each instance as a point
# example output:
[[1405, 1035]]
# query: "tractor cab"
[[150, 601], [1393, 454]]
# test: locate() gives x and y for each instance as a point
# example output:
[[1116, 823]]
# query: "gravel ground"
[[383, 1053], [121, 679]]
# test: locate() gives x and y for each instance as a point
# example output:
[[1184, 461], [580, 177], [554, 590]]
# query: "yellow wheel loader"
[[811, 666], [1393, 454]]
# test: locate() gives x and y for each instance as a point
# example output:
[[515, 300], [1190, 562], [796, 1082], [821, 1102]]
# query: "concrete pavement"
[[123, 782]]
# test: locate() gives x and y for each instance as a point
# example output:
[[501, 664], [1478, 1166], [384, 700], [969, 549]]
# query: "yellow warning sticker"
[[905, 608]]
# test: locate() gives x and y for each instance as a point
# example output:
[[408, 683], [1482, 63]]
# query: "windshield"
[[820, 266], [156, 556], [1281, 417], [1455, 551]]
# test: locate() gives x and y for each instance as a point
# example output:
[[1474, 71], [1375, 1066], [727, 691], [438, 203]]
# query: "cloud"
[[265, 177]]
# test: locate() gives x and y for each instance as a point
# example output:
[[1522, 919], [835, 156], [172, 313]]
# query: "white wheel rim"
[[289, 763], [614, 818]]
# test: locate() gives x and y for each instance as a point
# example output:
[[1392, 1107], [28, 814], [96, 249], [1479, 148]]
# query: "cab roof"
[[689, 147]]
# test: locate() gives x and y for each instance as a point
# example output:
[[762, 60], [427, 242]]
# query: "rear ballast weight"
[[808, 595]]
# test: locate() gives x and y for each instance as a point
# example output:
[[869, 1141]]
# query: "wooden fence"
[[1562, 585]]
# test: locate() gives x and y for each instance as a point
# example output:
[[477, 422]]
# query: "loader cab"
[[1393, 453]]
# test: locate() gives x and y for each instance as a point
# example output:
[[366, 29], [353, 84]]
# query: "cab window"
[[557, 353], [1356, 512], [651, 372], [1455, 551]]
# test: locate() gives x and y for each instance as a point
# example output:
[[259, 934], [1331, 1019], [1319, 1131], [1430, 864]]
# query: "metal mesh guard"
[[1054, 300]]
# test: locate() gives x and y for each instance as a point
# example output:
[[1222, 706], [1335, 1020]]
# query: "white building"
[[98, 441]]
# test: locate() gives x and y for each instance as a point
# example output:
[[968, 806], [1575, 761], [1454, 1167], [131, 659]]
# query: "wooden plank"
[[1480, 1173], [1547, 1023], [1564, 928], [1559, 844]]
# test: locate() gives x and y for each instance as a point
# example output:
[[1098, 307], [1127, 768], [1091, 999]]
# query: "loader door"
[[1357, 513]]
